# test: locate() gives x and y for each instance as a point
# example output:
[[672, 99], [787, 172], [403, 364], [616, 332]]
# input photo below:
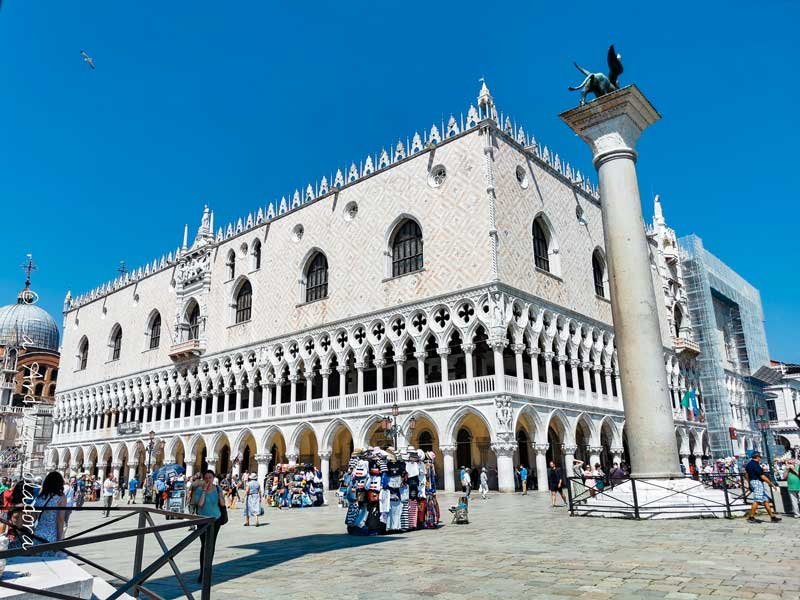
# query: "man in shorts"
[[757, 478]]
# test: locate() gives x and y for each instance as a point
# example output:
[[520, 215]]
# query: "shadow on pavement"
[[267, 554]]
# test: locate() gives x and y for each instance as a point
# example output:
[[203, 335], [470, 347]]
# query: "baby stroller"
[[461, 511]]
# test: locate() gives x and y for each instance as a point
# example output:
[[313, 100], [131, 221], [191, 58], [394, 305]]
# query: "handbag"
[[223, 511]]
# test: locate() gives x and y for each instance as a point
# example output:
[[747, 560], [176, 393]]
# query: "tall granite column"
[[611, 126]]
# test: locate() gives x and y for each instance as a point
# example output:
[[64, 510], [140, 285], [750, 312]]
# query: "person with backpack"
[[50, 524]]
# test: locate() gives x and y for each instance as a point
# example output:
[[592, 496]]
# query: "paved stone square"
[[514, 547]]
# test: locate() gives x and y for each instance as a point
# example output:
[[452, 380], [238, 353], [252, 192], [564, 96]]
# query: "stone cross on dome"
[[26, 296]]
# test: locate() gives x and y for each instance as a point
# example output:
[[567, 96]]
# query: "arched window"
[[317, 278], [407, 249], [116, 342], [230, 264], [155, 331], [256, 255], [244, 302], [541, 245], [83, 354], [678, 321], [599, 272], [193, 318]]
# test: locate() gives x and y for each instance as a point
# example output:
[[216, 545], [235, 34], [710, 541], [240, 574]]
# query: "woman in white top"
[[69, 494]]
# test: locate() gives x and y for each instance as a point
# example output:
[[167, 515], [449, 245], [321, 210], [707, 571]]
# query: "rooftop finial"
[[27, 296], [486, 102], [658, 214]]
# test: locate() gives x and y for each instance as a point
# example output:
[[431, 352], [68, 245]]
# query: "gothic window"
[[230, 264], [194, 322], [155, 331], [678, 321], [317, 278], [541, 243], [407, 249], [116, 342], [599, 272], [83, 354], [256, 255], [244, 302]]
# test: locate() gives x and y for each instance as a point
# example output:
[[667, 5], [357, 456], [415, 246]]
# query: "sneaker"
[[776, 519], [752, 520]]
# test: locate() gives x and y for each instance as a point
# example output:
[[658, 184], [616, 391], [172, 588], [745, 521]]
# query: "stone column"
[[562, 375], [309, 383], [698, 462], [325, 468], [379, 364], [115, 467], [573, 367], [505, 466], [443, 354], [251, 396], [291, 458], [342, 369], [518, 350], [616, 455], [399, 361], [468, 350], [534, 354], [499, 370], [448, 452], [227, 401], [548, 370], [325, 373], [215, 401], [685, 462], [266, 396], [262, 460], [420, 356], [212, 465], [569, 456], [594, 455], [360, 380], [293, 389], [101, 473], [611, 125], [607, 373], [279, 390], [541, 465], [597, 385], [189, 469], [239, 388], [619, 386]]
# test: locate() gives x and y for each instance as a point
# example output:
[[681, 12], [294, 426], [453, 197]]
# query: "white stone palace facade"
[[460, 275]]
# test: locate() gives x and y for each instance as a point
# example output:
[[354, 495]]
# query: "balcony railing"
[[436, 391]]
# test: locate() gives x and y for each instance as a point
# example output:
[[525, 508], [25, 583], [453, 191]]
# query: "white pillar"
[[518, 350], [360, 380], [291, 458], [468, 350], [325, 468], [325, 375], [420, 356], [443, 353], [685, 462], [309, 382], [399, 361], [251, 396], [619, 386], [548, 370], [611, 125], [534, 354], [607, 373], [132, 471], [293, 390], [505, 466], [262, 460], [115, 467], [449, 467], [596, 368], [212, 466], [101, 473], [279, 390], [189, 469], [562, 375], [499, 370], [379, 364], [541, 465], [594, 455], [342, 383]]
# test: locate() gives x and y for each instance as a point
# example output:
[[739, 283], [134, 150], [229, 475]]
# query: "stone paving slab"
[[514, 547]]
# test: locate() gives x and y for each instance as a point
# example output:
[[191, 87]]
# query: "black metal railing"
[[133, 585], [624, 498]]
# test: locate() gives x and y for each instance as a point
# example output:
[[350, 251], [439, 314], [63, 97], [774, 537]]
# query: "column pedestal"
[[611, 126]]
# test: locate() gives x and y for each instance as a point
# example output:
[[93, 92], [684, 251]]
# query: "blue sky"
[[236, 104]]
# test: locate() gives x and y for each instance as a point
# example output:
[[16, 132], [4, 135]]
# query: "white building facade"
[[460, 276]]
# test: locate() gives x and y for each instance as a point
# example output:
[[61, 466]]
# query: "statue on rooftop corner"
[[598, 83]]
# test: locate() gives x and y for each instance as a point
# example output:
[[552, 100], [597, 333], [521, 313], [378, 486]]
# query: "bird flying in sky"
[[87, 59]]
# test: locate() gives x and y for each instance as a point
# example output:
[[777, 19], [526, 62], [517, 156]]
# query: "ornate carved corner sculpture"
[[504, 413], [600, 84]]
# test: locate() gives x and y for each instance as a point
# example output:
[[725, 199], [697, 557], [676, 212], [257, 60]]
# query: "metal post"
[[635, 499], [727, 501], [137, 557], [208, 561]]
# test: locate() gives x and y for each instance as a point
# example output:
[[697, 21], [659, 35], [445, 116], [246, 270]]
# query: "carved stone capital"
[[540, 448], [570, 449], [379, 363], [263, 459], [518, 348], [468, 348], [448, 450], [504, 449], [617, 450], [421, 355], [443, 351], [325, 455]]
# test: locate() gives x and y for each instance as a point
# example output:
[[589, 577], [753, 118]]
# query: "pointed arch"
[[216, 443], [458, 416], [366, 431], [326, 441], [583, 419], [239, 441], [528, 416], [545, 245], [616, 431], [404, 246], [192, 446], [559, 421]]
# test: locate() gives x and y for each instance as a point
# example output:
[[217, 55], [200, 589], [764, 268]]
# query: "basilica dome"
[[25, 323]]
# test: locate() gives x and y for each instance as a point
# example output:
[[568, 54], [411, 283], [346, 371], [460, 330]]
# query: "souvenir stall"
[[390, 492], [294, 486]]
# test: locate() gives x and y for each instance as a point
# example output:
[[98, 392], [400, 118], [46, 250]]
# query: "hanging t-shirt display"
[[391, 492]]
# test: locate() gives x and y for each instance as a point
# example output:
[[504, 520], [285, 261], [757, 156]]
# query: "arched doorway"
[[473, 449], [582, 441], [307, 451], [426, 438], [341, 450]]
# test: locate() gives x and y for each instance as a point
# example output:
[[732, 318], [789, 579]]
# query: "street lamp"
[[391, 427], [150, 446]]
